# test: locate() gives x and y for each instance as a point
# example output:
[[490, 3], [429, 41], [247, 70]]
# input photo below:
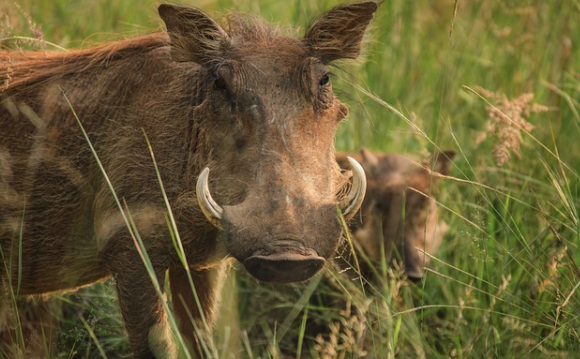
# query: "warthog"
[[161, 110], [399, 212]]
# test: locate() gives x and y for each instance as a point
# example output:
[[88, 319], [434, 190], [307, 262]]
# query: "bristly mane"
[[30, 68], [248, 28], [24, 69]]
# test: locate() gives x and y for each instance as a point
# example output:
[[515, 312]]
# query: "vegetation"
[[497, 81]]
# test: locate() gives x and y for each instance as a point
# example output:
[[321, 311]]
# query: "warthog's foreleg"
[[195, 324], [142, 309]]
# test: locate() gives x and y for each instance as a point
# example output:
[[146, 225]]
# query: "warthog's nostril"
[[284, 267]]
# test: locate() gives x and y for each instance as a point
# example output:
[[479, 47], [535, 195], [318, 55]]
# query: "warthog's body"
[[253, 106], [399, 214]]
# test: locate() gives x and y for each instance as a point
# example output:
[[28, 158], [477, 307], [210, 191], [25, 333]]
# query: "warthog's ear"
[[194, 35], [338, 33], [442, 161], [369, 158]]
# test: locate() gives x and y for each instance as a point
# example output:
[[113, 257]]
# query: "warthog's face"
[[268, 116]]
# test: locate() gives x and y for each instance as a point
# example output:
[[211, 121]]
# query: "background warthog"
[[399, 212], [252, 105]]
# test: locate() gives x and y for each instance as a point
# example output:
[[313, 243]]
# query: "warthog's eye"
[[325, 80], [324, 96]]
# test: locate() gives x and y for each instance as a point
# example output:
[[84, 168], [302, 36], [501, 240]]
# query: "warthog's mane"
[[20, 70]]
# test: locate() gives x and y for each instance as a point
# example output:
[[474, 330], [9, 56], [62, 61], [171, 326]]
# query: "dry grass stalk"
[[10, 39], [506, 119], [346, 338], [553, 265], [500, 290], [8, 29], [35, 29]]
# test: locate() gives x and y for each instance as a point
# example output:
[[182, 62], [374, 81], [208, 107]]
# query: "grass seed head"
[[506, 119]]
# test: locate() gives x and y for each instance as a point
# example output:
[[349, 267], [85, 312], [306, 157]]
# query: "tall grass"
[[505, 284]]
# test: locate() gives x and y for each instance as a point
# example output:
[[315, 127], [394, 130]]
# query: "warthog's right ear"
[[194, 35], [339, 33]]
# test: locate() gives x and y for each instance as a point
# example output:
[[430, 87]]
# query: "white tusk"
[[212, 211], [352, 202]]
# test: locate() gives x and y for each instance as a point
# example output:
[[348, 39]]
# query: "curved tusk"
[[212, 211], [352, 202]]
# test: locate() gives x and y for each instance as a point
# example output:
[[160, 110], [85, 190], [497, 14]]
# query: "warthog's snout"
[[284, 267], [277, 233]]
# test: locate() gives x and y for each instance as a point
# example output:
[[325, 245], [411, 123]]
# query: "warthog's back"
[[48, 177]]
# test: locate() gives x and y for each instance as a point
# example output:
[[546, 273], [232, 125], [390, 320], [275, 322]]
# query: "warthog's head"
[[266, 119]]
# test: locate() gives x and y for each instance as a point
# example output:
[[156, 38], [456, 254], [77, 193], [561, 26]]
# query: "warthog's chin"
[[285, 267]]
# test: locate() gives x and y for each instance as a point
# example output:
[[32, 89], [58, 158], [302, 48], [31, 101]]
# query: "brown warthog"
[[399, 212], [252, 105]]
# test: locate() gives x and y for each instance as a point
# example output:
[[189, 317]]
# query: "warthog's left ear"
[[441, 161], [194, 35], [369, 158], [338, 34]]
